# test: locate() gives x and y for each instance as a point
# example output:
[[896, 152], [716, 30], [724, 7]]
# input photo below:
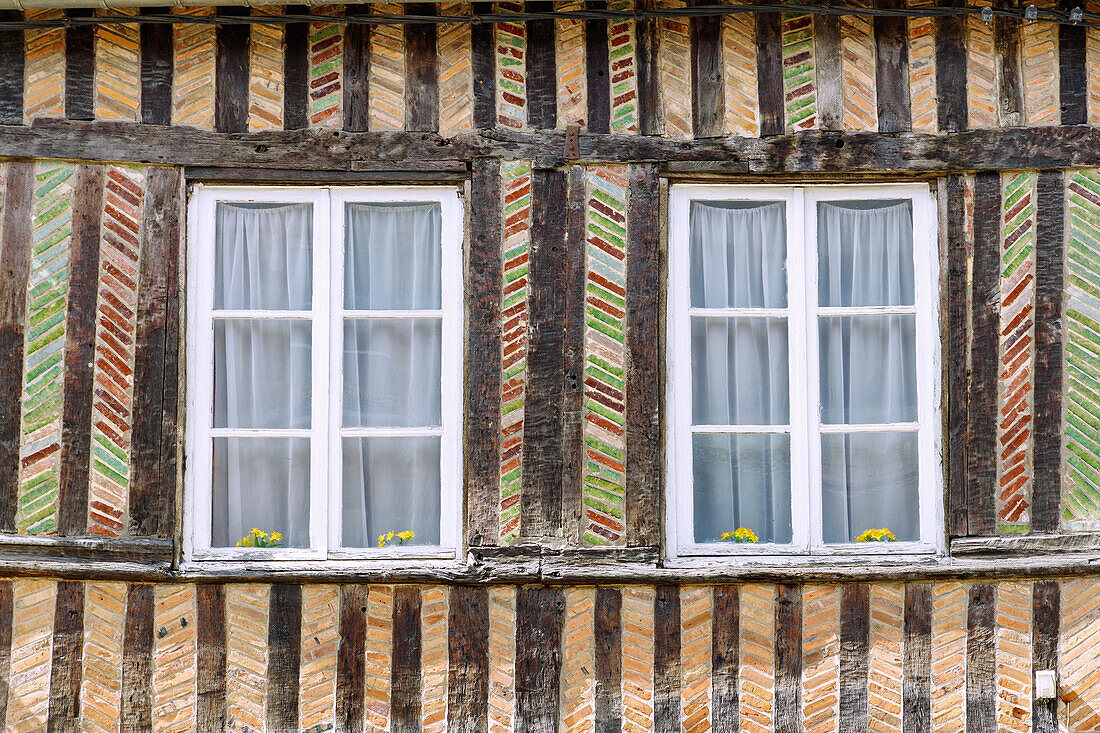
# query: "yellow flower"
[[882, 534], [742, 535]]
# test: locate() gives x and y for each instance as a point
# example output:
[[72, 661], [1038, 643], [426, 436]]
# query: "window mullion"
[[801, 497], [335, 390], [319, 463]]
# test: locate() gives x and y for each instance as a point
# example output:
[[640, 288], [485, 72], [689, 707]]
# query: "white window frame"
[[801, 314], [327, 316]]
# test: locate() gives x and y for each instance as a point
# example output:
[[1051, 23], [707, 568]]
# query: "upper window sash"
[[327, 367], [801, 312]]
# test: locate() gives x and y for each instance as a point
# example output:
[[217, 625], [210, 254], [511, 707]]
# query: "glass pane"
[[392, 256], [262, 374], [738, 254], [742, 481], [869, 481], [390, 484], [261, 483], [264, 256], [868, 369], [865, 253], [392, 372], [739, 371]]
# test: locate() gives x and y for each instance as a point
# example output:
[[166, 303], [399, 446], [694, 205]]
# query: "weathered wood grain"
[[284, 658], [855, 641], [157, 70], [981, 446], [79, 68], [539, 620], [351, 659], [951, 72], [597, 81], [1046, 615], [211, 712], [829, 74], [483, 52], [644, 454], [1006, 40], [667, 662], [136, 711], [1072, 76], [421, 72], [152, 510], [892, 71], [1049, 284], [647, 55], [573, 510], [917, 662], [788, 658], [5, 645], [708, 99], [80, 334], [541, 500], [296, 73], [981, 701], [483, 338], [405, 682], [725, 632], [231, 89], [468, 679], [12, 65], [957, 361], [357, 72], [67, 649], [609, 656], [541, 58], [15, 246]]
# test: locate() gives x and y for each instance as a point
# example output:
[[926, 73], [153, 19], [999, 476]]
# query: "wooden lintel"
[[317, 150]]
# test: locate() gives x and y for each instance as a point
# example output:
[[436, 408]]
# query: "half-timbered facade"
[[559, 592]]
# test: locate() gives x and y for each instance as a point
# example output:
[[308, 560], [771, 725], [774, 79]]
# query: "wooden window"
[[324, 371], [803, 356]]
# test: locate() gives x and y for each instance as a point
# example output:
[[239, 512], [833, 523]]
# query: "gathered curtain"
[[740, 370]]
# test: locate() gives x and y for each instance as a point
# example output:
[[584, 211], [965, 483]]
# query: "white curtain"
[[262, 371], [392, 370], [868, 369], [739, 370]]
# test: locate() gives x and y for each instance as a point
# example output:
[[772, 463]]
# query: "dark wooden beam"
[[1073, 83], [788, 658], [211, 712], [830, 89], [981, 681], [596, 62], [956, 362], [725, 640], [284, 643], [296, 73], [573, 455], [609, 654], [769, 72], [1046, 494], [1006, 42], [66, 670], [985, 287], [849, 153], [15, 247], [855, 644], [422, 71], [6, 608], [405, 671], [483, 357], [647, 39], [1045, 625], [136, 712], [157, 70], [708, 99], [231, 81], [951, 108], [916, 692], [12, 60], [540, 612], [80, 334], [483, 53], [542, 82], [351, 658], [892, 70], [356, 72], [468, 656], [668, 669], [79, 68]]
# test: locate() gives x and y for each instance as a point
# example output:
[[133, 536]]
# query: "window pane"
[[865, 253], [392, 372], [742, 481], [868, 369], [262, 374], [261, 483], [738, 254], [390, 484], [739, 371], [869, 481], [264, 256], [392, 256]]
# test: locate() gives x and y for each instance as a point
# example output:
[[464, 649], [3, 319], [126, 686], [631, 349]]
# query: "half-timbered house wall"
[[563, 136]]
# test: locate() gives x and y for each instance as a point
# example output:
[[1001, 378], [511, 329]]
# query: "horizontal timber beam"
[[323, 150]]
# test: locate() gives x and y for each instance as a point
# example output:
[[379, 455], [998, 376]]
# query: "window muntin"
[[798, 318], [324, 379]]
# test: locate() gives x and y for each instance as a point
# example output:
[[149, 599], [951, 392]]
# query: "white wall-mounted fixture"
[[1046, 687]]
